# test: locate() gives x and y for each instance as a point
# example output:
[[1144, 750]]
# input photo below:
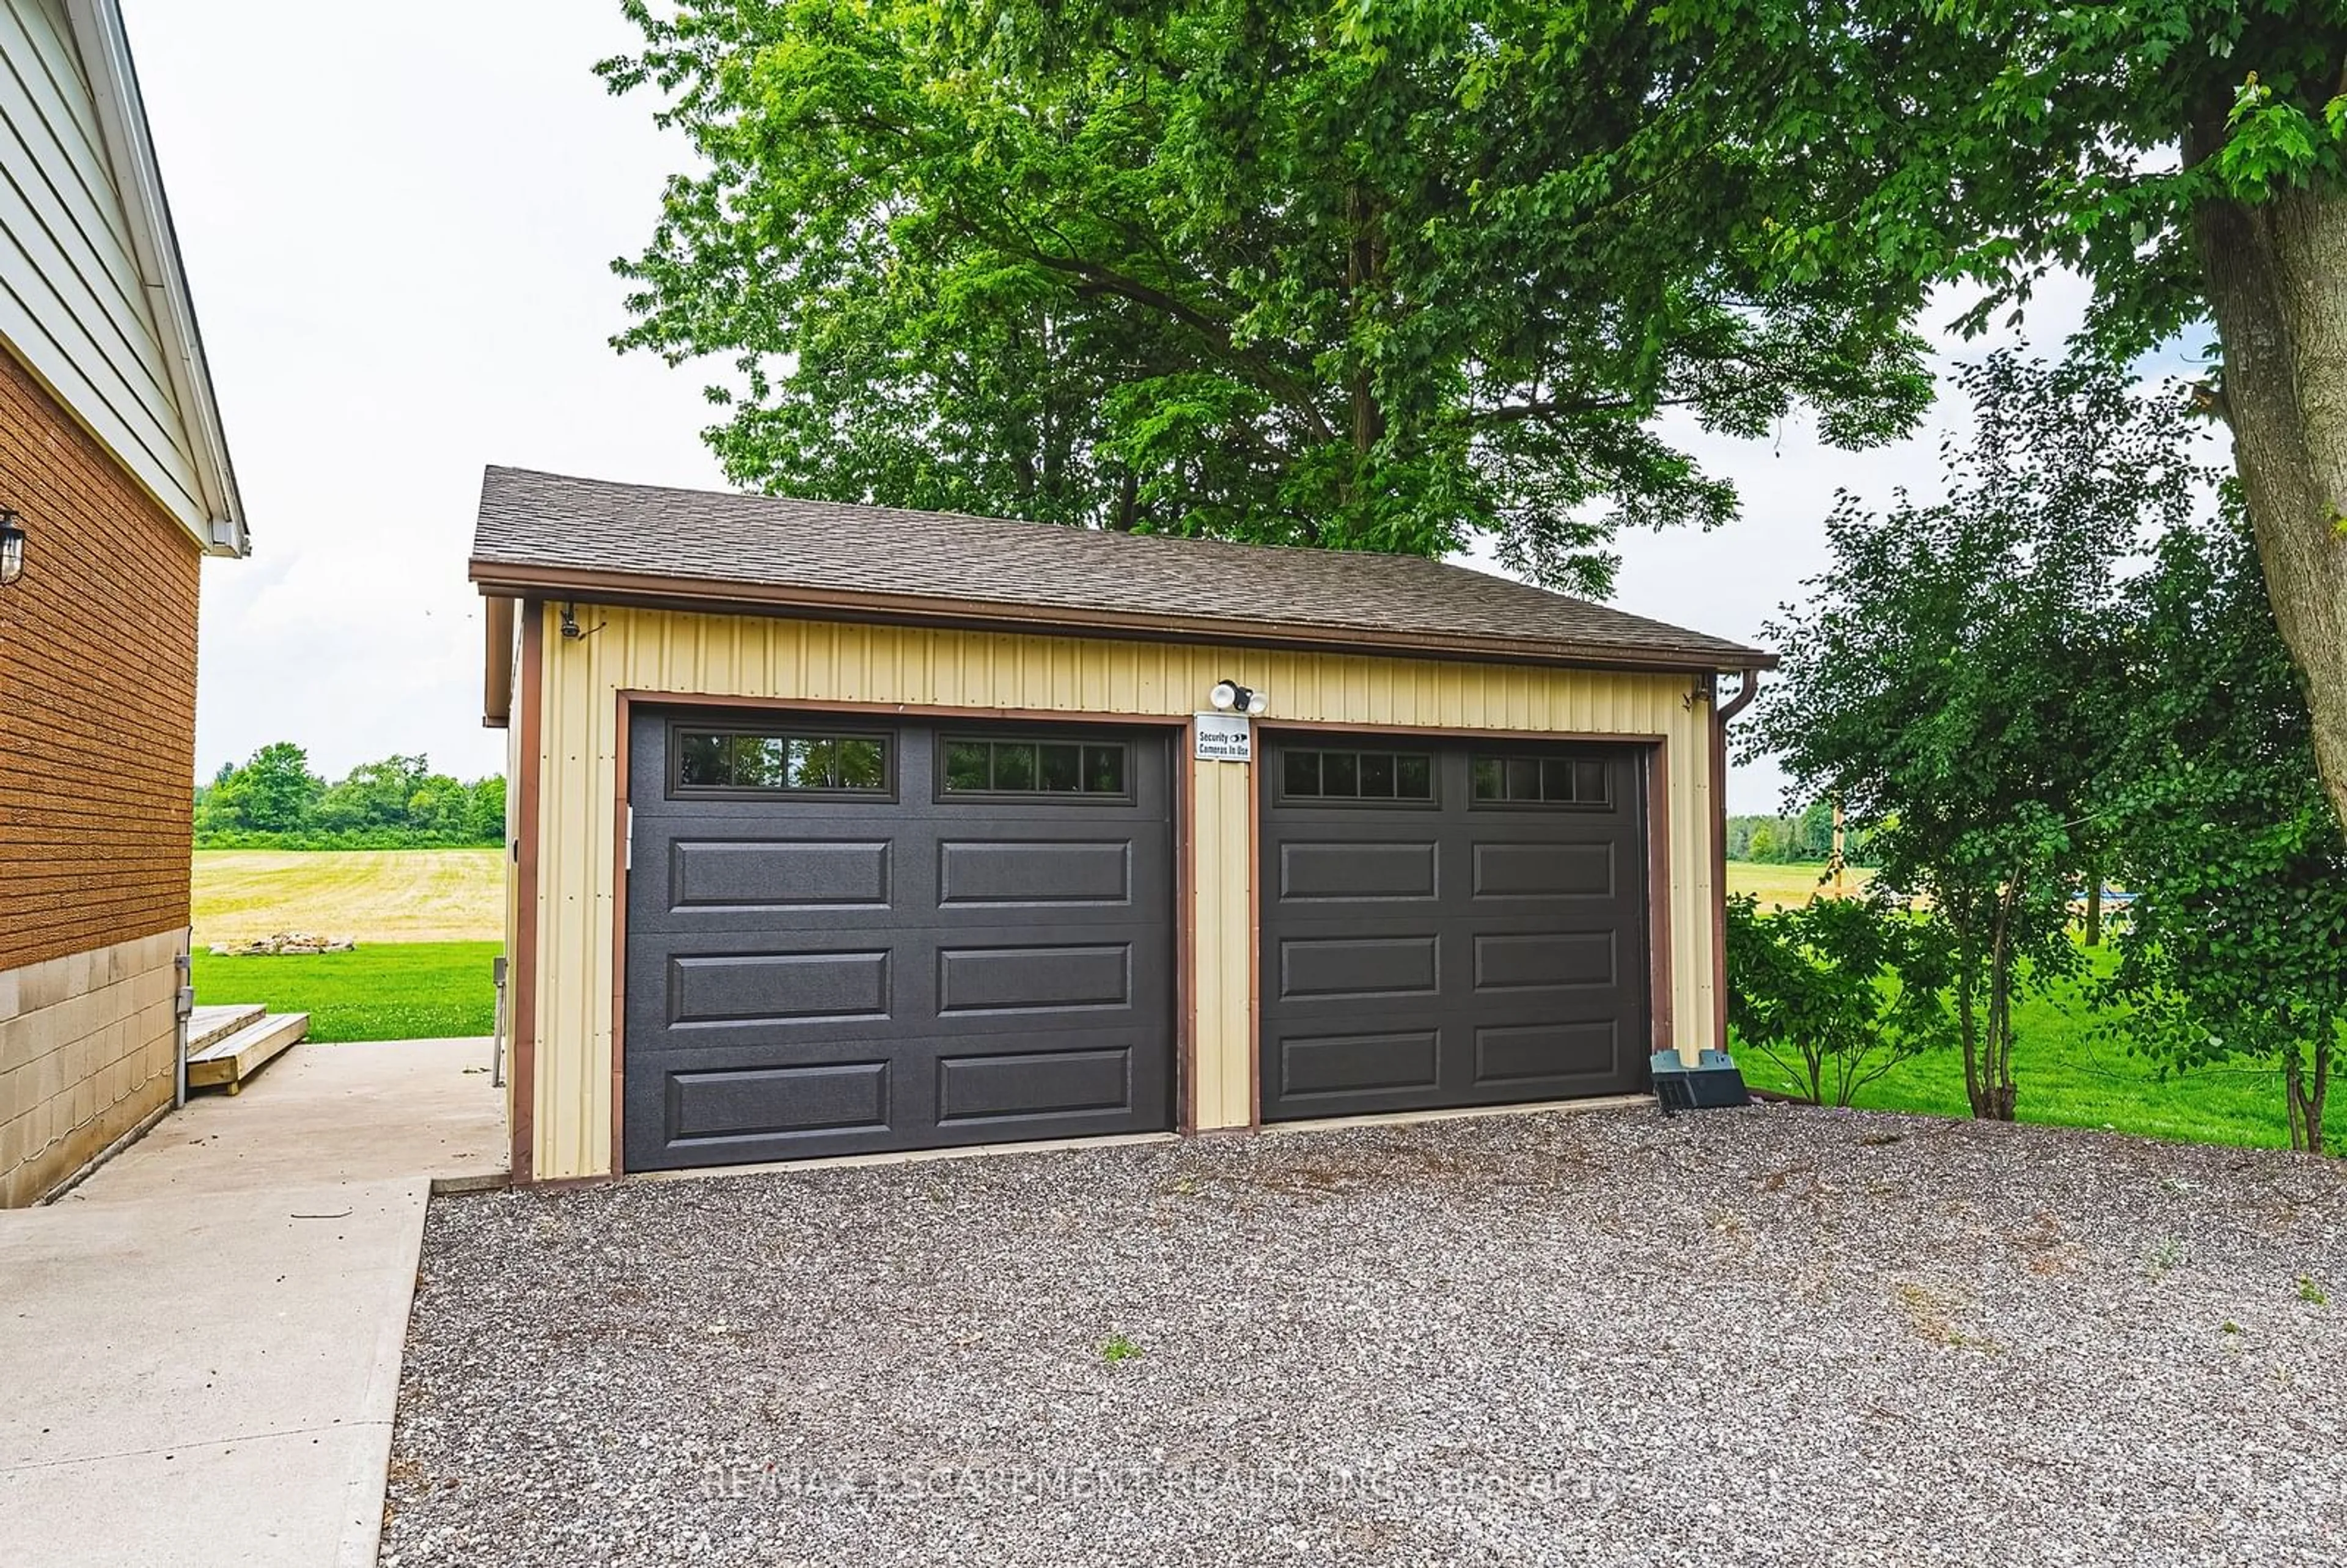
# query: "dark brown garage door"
[[845, 937], [1451, 923]]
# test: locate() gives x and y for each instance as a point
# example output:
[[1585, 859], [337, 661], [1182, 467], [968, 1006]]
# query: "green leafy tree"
[[1375, 277], [2189, 159], [374, 795], [274, 792], [2235, 945], [1812, 838], [439, 807], [1391, 276], [398, 802], [1934, 683], [1763, 845], [484, 811], [1836, 991]]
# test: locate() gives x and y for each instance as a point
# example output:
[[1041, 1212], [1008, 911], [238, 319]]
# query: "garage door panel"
[[776, 988], [1326, 968], [769, 1101], [825, 975], [1538, 1052], [1507, 869], [1316, 870], [757, 876], [1022, 872], [1326, 1068], [1034, 979], [1545, 961], [974, 1087]]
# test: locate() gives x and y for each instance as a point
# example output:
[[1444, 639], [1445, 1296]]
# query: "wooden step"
[[208, 1026], [227, 1062]]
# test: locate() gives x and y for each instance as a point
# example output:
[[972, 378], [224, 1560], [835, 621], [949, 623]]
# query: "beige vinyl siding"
[[74, 308], [679, 655]]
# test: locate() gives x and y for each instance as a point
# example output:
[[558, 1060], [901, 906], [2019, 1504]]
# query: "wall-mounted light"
[[12, 547], [1230, 697]]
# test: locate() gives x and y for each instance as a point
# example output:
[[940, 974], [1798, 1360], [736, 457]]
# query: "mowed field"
[[427, 922], [1777, 886], [369, 894], [456, 895]]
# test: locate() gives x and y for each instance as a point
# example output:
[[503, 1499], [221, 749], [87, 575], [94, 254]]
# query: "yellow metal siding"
[[684, 655]]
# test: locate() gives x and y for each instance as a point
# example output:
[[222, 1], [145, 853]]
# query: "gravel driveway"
[[1767, 1336]]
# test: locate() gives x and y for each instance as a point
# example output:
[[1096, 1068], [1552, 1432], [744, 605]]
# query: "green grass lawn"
[[2071, 1075], [394, 990]]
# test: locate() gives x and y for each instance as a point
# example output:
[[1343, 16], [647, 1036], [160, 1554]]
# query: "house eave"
[[105, 50]]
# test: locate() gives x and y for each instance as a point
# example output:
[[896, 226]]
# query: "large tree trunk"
[[2277, 279]]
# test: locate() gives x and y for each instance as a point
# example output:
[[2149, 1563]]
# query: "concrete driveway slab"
[[201, 1342], [321, 1116], [261, 1300], [269, 1499]]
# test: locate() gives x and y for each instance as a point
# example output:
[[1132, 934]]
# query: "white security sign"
[[1224, 738]]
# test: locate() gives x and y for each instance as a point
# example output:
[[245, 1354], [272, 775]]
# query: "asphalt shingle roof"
[[541, 531]]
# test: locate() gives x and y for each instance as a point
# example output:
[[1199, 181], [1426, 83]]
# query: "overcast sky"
[[398, 222]]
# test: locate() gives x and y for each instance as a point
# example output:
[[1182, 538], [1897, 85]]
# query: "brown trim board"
[[1659, 1011], [716, 597], [1255, 937], [1464, 732], [621, 848], [1186, 930], [1076, 716], [523, 967]]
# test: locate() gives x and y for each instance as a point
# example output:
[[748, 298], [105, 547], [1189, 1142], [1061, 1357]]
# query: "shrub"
[[1836, 991]]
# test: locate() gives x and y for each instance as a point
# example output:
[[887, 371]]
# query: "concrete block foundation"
[[87, 1051]]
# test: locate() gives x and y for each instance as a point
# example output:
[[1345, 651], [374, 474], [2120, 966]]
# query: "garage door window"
[[1085, 770], [759, 762], [1340, 777], [1541, 781]]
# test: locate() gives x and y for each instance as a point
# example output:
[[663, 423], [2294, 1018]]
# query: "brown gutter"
[[1720, 718], [497, 663], [740, 597]]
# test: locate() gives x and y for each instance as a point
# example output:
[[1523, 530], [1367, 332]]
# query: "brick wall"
[[97, 704]]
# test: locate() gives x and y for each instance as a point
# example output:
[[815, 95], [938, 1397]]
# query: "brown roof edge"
[[497, 662], [496, 579]]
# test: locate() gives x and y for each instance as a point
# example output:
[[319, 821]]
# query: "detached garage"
[[844, 830]]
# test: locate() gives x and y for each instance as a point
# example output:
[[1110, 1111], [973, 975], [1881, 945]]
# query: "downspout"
[[1721, 715], [1736, 703], [183, 1012]]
